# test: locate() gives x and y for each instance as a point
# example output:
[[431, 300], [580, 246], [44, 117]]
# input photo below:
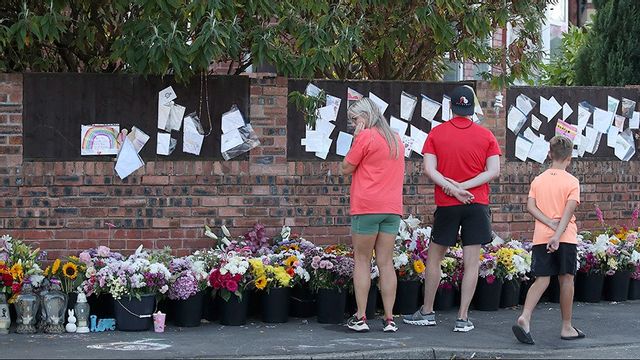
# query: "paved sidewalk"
[[611, 328]]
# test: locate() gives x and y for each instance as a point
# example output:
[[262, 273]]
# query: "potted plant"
[[409, 269], [134, 284], [489, 287], [210, 258], [273, 276], [451, 268], [302, 302], [591, 267], [99, 299], [331, 275], [230, 280], [186, 290], [514, 263], [619, 266]]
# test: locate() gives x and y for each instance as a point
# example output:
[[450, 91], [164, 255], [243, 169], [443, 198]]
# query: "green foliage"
[[308, 104], [366, 39], [561, 69], [611, 56]]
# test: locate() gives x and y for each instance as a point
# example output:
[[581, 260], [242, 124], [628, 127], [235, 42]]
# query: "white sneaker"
[[463, 325]]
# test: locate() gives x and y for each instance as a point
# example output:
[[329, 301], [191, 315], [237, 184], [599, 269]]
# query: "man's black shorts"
[[475, 220], [560, 262]]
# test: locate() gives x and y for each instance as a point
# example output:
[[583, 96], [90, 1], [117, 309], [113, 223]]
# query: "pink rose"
[[231, 286]]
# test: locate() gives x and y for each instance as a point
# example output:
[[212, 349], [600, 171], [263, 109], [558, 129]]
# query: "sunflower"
[[55, 267], [290, 261], [261, 282], [46, 271], [70, 270]]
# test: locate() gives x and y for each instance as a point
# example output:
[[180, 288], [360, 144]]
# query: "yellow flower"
[[70, 270], [46, 271], [290, 261], [261, 282], [55, 267], [281, 275], [418, 266], [257, 266], [17, 271]]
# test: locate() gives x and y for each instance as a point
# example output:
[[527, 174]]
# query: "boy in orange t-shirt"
[[553, 197]]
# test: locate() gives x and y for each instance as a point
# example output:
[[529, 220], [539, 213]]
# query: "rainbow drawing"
[[99, 139]]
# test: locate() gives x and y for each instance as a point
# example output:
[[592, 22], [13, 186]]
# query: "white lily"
[[208, 233], [225, 231], [226, 241]]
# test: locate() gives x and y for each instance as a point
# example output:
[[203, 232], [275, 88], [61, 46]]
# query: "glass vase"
[[55, 305], [27, 305]]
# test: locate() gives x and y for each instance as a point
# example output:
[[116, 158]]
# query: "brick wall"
[[64, 206]]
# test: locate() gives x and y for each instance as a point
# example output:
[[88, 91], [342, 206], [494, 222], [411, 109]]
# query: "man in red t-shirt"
[[460, 157]]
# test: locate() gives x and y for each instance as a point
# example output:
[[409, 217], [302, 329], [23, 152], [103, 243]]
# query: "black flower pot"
[[210, 310], [616, 286], [302, 303], [634, 289], [524, 289], [589, 287], [487, 296], [407, 297], [275, 305], [188, 312], [234, 312], [331, 305], [372, 302], [445, 299], [72, 298], [510, 295], [254, 302], [166, 305], [134, 315], [553, 290], [102, 306]]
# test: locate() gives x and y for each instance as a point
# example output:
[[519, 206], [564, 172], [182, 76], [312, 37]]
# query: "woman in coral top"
[[376, 160]]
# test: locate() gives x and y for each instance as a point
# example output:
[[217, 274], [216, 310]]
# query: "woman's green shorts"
[[370, 224]]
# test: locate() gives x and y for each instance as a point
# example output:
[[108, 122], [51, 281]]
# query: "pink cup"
[[158, 321]]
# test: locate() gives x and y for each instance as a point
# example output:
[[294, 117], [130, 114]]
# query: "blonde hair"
[[375, 119], [560, 148]]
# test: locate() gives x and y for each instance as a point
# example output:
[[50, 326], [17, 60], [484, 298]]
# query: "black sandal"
[[580, 335], [522, 336]]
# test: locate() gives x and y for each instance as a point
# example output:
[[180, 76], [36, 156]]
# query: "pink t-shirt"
[[551, 190], [376, 185]]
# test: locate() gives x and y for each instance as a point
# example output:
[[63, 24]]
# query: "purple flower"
[[184, 287]]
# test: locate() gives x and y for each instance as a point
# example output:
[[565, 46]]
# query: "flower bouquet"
[[186, 290], [18, 263], [95, 260], [331, 271], [70, 272], [489, 288], [297, 253], [274, 275], [331, 267], [231, 278], [451, 269]]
